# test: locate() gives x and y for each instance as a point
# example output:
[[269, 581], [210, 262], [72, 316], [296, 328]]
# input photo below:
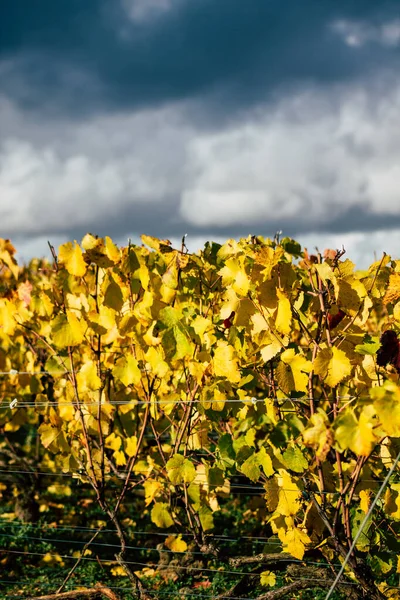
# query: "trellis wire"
[[245, 401], [160, 533], [134, 478], [184, 567], [152, 549]]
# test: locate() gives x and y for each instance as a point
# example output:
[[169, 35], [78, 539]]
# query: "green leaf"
[[357, 518], [225, 451], [206, 518], [369, 346], [251, 466], [294, 459], [176, 344], [180, 469], [291, 246], [170, 316], [215, 477]]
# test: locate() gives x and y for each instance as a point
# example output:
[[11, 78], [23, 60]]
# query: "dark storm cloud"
[[88, 54], [135, 220]]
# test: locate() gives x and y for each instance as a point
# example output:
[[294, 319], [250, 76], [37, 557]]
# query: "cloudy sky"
[[215, 118]]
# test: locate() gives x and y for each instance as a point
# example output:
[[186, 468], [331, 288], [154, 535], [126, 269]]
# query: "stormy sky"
[[213, 118]]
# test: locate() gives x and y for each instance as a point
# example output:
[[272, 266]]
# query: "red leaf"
[[228, 322], [334, 320], [202, 584]]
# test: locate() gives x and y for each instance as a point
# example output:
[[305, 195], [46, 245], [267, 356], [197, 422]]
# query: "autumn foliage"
[[244, 362]]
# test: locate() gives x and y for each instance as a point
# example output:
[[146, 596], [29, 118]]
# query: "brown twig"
[[93, 593], [85, 547]]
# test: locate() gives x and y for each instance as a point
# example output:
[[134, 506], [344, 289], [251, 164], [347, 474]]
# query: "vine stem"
[[85, 547], [360, 529]]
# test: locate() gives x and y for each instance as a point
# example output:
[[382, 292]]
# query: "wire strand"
[[134, 478], [222, 538], [252, 401]]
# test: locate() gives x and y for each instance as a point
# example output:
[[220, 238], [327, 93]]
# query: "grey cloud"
[[307, 164], [85, 56], [359, 33]]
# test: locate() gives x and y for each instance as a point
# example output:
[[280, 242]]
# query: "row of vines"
[[242, 389]]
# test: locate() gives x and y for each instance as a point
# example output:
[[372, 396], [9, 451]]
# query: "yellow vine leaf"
[[300, 368], [332, 365], [90, 241], [67, 330], [120, 458], [230, 303], [127, 371], [42, 305], [87, 377], [7, 311], [131, 445], [365, 502], [118, 571], [234, 274], [48, 434], [260, 323], [156, 361], [289, 495], [357, 433], [170, 277], [113, 297], [268, 352], [70, 255], [392, 501], [251, 466], [176, 543], [180, 469], [295, 541], [7, 252], [268, 578], [387, 406], [160, 515], [152, 488], [318, 434], [325, 272], [113, 441], [268, 257], [112, 251], [154, 242], [225, 364], [200, 325], [230, 248], [52, 559], [393, 289], [283, 318], [142, 309], [151, 336], [103, 323]]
